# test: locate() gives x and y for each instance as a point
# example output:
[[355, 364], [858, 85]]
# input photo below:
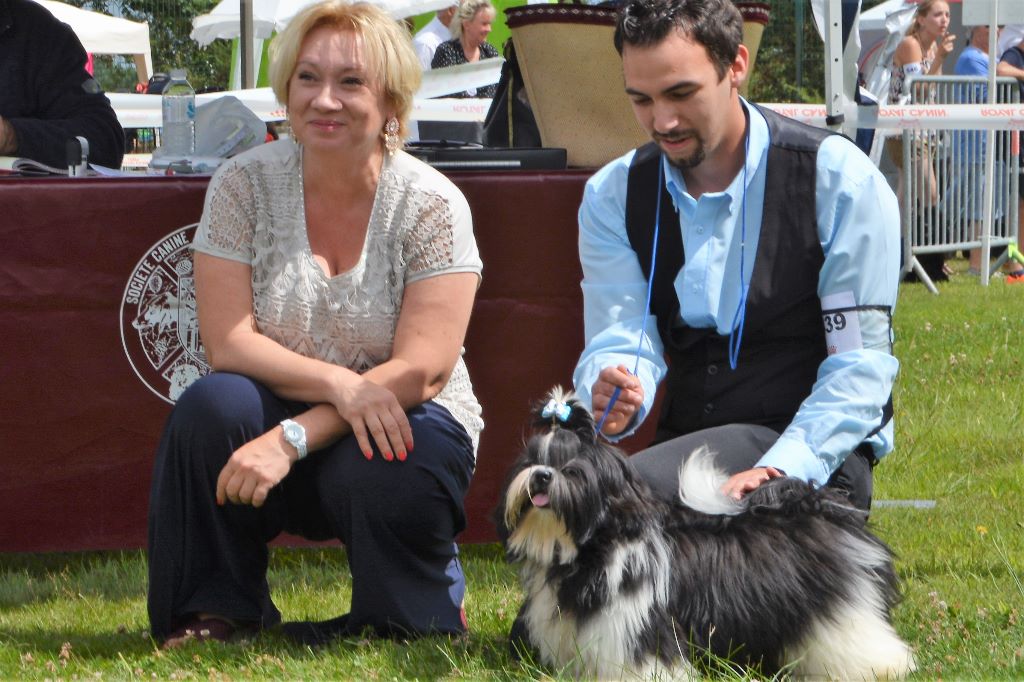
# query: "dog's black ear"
[[498, 519], [562, 409]]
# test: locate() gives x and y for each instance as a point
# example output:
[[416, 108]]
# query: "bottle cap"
[[178, 74]]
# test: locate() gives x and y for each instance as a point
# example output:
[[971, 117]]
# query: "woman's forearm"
[[286, 373]]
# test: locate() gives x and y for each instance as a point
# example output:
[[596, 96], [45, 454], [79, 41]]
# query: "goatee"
[[684, 162], [688, 162]]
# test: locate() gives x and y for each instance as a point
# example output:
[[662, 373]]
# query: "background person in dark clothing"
[[49, 97]]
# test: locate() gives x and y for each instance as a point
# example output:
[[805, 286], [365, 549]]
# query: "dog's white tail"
[[700, 485]]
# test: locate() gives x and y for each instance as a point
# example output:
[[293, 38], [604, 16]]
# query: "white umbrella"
[[103, 34], [225, 21]]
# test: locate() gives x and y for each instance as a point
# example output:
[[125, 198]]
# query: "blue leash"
[[647, 302]]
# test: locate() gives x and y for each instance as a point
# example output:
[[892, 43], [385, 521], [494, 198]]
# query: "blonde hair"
[[391, 59], [467, 10], [923, 8]]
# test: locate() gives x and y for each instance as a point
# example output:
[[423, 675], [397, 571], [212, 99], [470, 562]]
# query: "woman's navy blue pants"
[[397, 520]]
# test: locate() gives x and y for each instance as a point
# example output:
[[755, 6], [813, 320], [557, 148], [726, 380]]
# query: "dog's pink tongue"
[[539, 500]]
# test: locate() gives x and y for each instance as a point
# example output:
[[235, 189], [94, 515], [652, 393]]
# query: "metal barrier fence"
[[950, 198]]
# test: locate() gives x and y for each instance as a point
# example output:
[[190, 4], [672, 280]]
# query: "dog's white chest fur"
[[602, 646]]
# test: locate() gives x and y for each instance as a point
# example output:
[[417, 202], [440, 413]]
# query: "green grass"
[[960, 443]]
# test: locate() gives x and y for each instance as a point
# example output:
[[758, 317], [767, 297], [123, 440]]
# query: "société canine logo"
[[159, 326]]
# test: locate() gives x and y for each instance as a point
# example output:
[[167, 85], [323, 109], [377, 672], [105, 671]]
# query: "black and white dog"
[[619, 584]]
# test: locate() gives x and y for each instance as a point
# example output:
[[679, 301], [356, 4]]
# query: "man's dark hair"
[[715, 24]]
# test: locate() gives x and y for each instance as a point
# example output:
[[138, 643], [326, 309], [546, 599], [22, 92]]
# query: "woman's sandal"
[[198, 629]]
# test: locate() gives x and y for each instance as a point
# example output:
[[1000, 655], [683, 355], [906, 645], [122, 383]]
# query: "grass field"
[[960, 445]]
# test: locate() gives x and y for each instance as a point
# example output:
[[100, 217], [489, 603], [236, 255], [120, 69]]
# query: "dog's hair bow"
[[556, 409]]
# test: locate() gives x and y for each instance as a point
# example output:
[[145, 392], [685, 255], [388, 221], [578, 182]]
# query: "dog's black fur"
[[767, 582]]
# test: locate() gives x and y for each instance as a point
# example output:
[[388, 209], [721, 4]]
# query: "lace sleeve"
[[441, 240], [229, 217]]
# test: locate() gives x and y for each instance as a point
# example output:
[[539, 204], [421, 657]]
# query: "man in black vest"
[[772, 253]]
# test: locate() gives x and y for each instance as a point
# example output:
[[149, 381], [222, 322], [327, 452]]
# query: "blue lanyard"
[[739, 317]]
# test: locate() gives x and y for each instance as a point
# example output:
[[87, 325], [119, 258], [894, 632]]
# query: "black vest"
[[784, 339]]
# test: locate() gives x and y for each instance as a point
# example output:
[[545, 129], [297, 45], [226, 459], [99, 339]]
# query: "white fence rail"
[[959, 185]]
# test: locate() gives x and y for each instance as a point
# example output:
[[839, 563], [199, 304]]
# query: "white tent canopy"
[[224, 20], [881, 29], [872, 21], [103, 34]]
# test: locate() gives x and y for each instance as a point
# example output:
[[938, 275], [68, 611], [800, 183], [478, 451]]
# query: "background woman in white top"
[[921, 53], [334, 279], [924, 48]]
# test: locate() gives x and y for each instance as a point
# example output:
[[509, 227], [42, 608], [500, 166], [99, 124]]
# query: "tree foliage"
[[115, 73], [170, 23], [775, 73]]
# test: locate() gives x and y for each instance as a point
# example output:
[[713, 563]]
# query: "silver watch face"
[[293, 433]]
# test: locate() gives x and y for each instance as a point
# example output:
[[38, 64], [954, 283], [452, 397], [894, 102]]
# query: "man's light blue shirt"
[[972, 62], [858, 226]]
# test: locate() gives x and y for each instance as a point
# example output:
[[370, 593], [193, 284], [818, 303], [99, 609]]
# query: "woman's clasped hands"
[[372, 410]]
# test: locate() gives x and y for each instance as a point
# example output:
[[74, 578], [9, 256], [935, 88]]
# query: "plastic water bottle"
[[179, 116]]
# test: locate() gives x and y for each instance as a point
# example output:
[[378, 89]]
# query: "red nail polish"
[[387, 456], [401, 456], [368, 454]]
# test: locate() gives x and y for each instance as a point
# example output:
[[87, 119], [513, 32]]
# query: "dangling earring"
[[391, 140]]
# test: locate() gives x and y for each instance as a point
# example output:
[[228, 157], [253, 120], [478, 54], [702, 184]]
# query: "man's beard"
[[685, 162]]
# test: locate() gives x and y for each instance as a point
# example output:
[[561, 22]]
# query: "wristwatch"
[[295, 435]]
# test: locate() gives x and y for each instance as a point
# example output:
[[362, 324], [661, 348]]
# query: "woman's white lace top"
[[420, 226]]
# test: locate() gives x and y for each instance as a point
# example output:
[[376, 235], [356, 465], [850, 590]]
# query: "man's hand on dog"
[[627, 404], [745, 481]]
